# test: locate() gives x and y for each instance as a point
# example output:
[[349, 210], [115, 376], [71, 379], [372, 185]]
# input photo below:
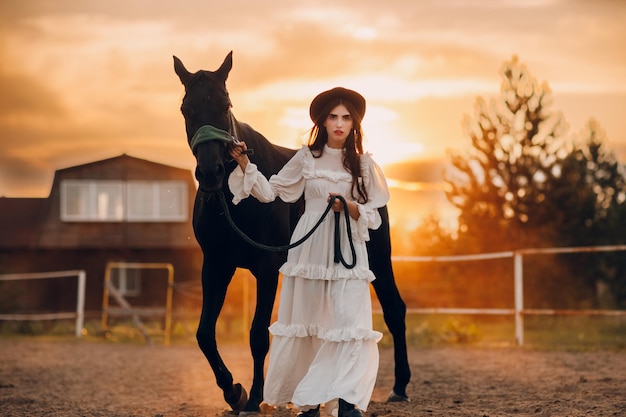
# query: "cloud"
[[26, 98], [84, 79]]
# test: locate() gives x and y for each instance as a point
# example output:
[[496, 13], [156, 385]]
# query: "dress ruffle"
[[361, 233], [327, 334], [331, 176], [321, 272], [250, 178]]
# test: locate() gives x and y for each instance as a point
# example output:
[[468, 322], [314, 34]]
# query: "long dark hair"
[[352, 147]]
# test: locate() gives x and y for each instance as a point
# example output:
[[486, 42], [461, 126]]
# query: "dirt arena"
[[42, 377]]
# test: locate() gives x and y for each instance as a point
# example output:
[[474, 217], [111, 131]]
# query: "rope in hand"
[[338, 256]]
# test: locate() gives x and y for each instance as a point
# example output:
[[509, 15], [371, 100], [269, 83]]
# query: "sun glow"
[[392, 150], [383, 140], [381, 126]]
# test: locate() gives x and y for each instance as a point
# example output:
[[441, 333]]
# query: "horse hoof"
[[397, 398], [237, 401]]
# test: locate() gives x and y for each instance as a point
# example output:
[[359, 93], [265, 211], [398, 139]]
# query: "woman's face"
[[338, 125]]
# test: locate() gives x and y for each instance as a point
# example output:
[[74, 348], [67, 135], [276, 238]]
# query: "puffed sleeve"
[[378, 196], [287, 184]]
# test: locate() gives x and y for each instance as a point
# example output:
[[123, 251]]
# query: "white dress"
[[323, 346]]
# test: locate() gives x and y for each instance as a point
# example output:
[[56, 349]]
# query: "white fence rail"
[[79, 314], [518, 276]]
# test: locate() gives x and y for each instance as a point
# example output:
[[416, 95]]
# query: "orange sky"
[[87, 80]]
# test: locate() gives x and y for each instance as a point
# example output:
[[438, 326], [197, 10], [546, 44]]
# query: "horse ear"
[[181, 71], [226, 66]]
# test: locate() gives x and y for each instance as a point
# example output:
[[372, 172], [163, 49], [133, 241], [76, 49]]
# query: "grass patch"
[[575, 332], [422, 330], [544, 332]]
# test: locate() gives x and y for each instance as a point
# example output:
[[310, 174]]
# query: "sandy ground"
[[40, 377]]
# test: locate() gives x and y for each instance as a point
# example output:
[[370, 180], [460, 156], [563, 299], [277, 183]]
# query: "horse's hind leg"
[[394, 312], [394, 308], [267, 282], [215, 280]]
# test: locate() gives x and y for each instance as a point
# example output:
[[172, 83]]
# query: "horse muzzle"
[[210, 179]]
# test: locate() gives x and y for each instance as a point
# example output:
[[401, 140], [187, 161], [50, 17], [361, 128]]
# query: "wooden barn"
[[122, 209]]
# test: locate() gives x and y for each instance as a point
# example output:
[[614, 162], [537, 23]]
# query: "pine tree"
[[515, 143]]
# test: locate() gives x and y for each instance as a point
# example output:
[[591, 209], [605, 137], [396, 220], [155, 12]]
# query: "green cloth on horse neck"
[[207, 133]]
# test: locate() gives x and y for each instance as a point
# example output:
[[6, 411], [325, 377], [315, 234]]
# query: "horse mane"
[[268, 157]]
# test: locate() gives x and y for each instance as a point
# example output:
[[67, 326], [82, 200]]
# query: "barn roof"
[[122, 167]]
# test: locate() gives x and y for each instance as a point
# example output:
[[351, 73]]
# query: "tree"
[[524, 184], [602, 220], [430, 238], [585, 192], [502, 181]]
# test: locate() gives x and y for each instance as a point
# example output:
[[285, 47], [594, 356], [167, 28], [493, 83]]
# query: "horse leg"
[[394, 308], [394, 313], [267, 283], [215, 280]]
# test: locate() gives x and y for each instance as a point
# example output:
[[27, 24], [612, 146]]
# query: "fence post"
[[80, 304], [519, 297]]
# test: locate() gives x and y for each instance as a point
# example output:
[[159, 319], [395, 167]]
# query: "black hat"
[[319, 103]]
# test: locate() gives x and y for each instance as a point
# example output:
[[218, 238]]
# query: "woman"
[[324, 349]]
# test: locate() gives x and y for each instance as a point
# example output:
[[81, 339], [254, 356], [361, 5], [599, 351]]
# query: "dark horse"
[[206, 103]]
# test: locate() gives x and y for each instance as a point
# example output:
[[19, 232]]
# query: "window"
[[116, 201], [127, 281], [92, 201], [152, 201]]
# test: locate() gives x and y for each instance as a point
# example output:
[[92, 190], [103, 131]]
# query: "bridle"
[[206, 133]]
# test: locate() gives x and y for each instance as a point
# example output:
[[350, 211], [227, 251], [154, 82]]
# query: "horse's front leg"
[[267, 283], [215, 279]]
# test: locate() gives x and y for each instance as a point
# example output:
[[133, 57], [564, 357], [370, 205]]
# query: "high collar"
[[335, 151]]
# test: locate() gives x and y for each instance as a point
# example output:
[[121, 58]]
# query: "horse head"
[[208, 121]]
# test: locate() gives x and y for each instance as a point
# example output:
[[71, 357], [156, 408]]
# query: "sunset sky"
[[84, 80]]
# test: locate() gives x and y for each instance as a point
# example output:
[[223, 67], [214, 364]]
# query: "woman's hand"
[[235, 152], [337, 206]]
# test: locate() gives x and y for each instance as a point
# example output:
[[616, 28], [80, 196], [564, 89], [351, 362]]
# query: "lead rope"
[[338, 256]]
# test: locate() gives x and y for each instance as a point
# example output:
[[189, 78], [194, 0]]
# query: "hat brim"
[[338, 93]]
